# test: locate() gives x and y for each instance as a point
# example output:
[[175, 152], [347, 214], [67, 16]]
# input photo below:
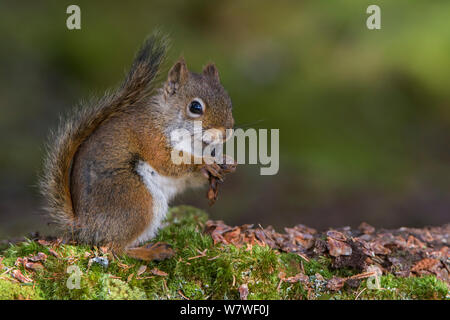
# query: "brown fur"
[[90, 180]]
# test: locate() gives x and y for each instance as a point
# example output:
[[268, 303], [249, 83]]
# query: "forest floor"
[[216, 261]]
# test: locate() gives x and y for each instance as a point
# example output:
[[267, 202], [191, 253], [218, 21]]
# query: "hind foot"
[[153, 251]]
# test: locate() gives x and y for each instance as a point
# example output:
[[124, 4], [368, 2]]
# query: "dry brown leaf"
[[124, 266], [34, 266], [336, 235], [130, 277], [294, 279], [158, 272], [39, 257], [378, 248], [20, 262], [243, 291], [44, 242], [366, 228], [319, 277], [338, 248], [57, 242], [53, 253], [335, 283], [233, 235], [413, 242], [370, 247], [19, 276], [141, 270], [425, 264], [104, 250]]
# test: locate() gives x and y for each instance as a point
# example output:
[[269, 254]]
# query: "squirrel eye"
[[195, 108]]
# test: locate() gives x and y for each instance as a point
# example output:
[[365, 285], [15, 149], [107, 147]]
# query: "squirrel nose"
[[215, 135]]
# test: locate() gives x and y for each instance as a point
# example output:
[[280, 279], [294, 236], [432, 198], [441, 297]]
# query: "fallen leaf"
[[124, 266], [319, 277], [44, 242], [378, 248], [366, 228], [39, 257], [335, 283], [233, 235], [104, 250], [57, 242], [425, 264], [336, 235], [243, 291], [34, 266], [141, 270], [19, 276], [338, 248], [413, 242], [130, 277], [53, 253], [20, 262], [294, 279], [158, 272]]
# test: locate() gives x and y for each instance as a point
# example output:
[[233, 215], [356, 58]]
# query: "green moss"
[[426, 287], [200, 270], [115, 289], [10, 290]]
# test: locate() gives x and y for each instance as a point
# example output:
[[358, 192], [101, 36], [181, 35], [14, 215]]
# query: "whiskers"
[[247, 125], [198, 133]]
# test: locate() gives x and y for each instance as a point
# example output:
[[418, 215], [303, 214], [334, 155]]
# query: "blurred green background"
[[364, 116]]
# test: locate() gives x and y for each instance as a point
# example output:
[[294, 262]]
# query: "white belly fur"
[[162, 189]]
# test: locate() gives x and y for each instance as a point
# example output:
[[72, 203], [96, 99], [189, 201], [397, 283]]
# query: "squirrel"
[[108, 175]]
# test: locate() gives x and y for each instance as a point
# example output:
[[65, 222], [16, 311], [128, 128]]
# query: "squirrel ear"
[[210, 70], [177, 76]]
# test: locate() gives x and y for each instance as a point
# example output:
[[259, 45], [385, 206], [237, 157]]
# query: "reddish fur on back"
[[77, 127]]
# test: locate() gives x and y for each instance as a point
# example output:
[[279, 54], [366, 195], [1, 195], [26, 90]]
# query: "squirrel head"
[[197, 97]]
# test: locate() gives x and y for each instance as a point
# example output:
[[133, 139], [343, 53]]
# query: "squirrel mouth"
[[211, 145]]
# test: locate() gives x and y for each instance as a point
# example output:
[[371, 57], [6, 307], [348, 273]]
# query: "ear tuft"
[[177, 76], [210, 70]]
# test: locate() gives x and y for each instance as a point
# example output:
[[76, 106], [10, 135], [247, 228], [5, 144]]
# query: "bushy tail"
[[63, 144]]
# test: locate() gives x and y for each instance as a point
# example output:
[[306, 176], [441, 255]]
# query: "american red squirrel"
[[108, 174]]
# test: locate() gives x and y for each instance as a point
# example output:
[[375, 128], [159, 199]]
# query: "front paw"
[[215, 172], [219, 170]]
